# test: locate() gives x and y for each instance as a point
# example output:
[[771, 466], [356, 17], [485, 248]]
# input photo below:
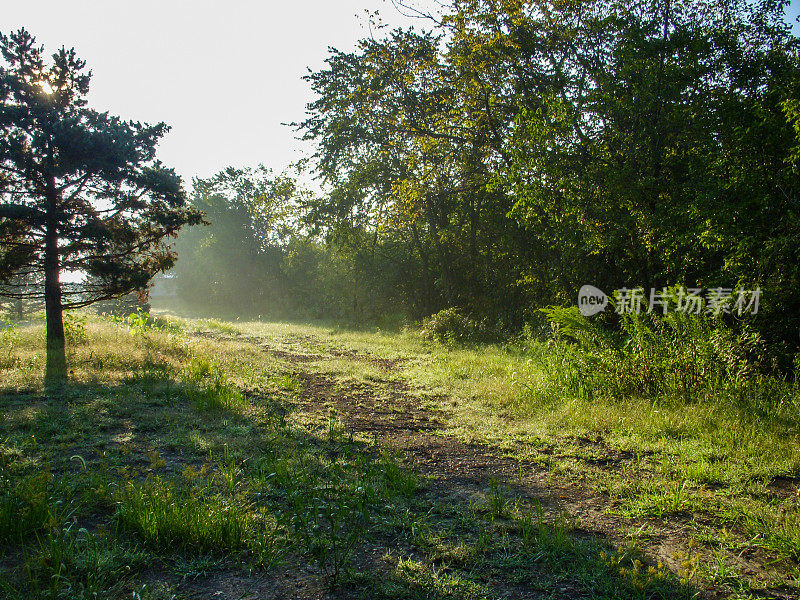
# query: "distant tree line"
[[518, 150]]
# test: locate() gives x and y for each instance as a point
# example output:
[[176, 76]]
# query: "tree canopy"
[[523, 148], [514, 150]]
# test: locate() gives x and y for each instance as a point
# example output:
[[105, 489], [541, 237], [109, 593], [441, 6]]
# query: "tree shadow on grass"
[[117, 478]]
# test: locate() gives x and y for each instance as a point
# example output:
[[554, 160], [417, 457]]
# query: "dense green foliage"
[[521, 149]]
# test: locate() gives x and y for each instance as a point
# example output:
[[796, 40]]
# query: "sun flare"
[[45, 87]]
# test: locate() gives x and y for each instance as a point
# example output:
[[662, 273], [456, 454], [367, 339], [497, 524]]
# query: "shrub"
[[648, 355], [140, 321], [452, 327], [75, 328]]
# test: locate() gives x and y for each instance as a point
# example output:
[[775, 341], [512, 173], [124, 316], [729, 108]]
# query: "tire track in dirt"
[[462, 471]]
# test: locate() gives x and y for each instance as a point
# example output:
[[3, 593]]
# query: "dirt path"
[[463, 472], [393, 415]]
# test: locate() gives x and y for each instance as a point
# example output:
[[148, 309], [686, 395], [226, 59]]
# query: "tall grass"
[[166, 517], [682, 383], [72, 563], [28, 505], [208, 388]]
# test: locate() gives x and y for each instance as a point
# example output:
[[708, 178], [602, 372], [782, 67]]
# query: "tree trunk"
[[444, 259], [56, 368], [426, 271]]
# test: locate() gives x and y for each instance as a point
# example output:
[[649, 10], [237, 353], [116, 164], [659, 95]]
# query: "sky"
[[224, 75]]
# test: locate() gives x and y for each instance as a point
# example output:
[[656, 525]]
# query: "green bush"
[[140, 321], [650, 355], [75, 328], [452, 327]]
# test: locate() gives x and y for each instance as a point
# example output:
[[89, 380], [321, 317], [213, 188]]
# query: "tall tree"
[[408, 149], [526, 147], [654, 147], [80, 191]]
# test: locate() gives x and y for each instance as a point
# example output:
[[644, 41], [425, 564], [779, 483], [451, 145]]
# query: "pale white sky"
[[223, 74]]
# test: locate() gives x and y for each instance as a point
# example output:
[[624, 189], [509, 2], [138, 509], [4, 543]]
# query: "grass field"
[[202, 458]]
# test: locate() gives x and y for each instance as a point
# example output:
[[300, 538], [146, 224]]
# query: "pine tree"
[[80, 191]]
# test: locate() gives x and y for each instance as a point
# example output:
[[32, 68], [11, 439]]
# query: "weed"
[[531, 525], [222, 327], [331, 515], [287, 382], [661, 498], [28, 505], [497, 503], [774, 527], [166, 517], [138, 322], [208, 388], [268, 544], [230, 473], [413, 579], [192, 566], [627, 564], [155, 591], [75, 328], [71, 562], [396, 479], [689, 562], [141, 321]]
